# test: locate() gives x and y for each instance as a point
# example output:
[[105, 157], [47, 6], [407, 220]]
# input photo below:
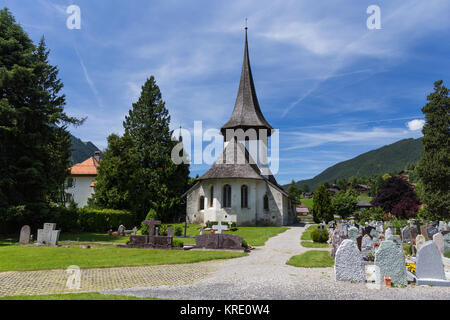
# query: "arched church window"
[[211, 196], [201, 204], [244, 196], [226, 197], [266, 202]]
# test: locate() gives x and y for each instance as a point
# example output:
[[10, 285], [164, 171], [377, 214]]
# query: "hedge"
[[101, 220]]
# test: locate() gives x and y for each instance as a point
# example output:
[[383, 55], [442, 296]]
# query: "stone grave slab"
[[391, 261], [349, 264]]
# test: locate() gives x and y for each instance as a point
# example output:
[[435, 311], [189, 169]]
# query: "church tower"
[[239, 187]]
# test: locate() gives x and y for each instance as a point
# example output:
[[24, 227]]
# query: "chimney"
[[97, 155]]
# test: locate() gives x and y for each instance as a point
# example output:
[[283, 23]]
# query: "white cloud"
[[415, 125]]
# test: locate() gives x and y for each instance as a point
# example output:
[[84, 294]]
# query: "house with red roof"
[[80, 186]]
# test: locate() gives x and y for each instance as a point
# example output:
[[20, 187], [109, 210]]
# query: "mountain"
[[387, 159], [81, 150]]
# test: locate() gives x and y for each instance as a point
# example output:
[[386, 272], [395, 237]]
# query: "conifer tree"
[[322, 209], [434, 166]]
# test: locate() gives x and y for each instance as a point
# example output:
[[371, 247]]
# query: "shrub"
[[244, 244], [319, 235], [163, 230], [177, 243], [178, 231], [96, 220]]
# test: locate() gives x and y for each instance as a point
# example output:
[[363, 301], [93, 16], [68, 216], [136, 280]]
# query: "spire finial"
[[246, 24]]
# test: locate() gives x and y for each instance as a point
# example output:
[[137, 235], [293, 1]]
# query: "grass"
[[306, 235], [21, 258], [307, 202], [309, 244], [92, 237], [312, 259], [77, 296]]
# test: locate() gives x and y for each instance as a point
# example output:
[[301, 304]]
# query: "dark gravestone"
[[431, 231], [368, 230], [218, 241], [359, 242]]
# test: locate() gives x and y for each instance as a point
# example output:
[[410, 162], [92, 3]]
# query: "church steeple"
[[247, 113]]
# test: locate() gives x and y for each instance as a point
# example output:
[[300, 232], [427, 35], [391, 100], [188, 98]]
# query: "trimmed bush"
[[101, 220], [320, 236], [178, 231], [177, 243]]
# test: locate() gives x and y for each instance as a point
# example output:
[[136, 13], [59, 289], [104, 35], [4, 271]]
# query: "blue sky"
[[334, 88]]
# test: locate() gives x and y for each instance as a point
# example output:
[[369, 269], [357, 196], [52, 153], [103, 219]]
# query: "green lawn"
[[255, 236], [77, 296], [312, 259], [92, 237], [310, 244], [306, 235], [20, 258], [307, 202]]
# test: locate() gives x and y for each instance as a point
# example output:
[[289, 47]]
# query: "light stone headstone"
[[170, 231], [348, 265], [438, 239], [442, 226], [446, 239], [387, 233], [429, 266], [367, 247], [25, 235], [48, 235], [121, 230], [353, 233], [379, 227], [375, 235], [396, 240], [219, 227], [391, 261], [336, 241], [420, 240]]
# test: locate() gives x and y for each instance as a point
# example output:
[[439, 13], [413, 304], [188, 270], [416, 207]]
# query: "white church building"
[[239, 187]]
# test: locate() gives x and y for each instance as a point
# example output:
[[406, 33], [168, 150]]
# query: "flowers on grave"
[[411, 267], [376, 244]]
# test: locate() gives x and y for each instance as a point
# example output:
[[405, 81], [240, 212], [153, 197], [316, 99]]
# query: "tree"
[[344, 203], [305, 188], [294, 190], [392, 191], [34, 145], [434, 166], [139, 173], [322, 209]]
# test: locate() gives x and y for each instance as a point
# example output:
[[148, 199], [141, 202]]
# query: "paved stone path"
[[54, 281], [265, 275]]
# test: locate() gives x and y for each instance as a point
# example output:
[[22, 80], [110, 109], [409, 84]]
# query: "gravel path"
[[265, 275]]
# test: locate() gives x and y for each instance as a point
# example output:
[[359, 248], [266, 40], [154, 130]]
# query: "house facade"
[[80, 185], [239, 186]]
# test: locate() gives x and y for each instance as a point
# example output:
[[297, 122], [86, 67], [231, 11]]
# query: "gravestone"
[[345, 229], [152, 223], [442, 226], [170, 231], [121, 230], [396, 240], [336, 241], [219, 228], [423, 231], [391, 261], [48, 236], [379, 227], [414, 233], [438, 239], [431, 231], [406, 234], [387, 233], [25, 235], [429, 266], [446, 239], [374, 234], [367, 247], [218, 241], [348, 265], [353, 233], [420, 240]]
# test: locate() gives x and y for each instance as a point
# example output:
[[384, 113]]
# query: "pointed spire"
[[247, 113]]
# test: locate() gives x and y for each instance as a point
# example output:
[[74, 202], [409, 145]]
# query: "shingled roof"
[[247, 113], [234, 162], [86, 168]]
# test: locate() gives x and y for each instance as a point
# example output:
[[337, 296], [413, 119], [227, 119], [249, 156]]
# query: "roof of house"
[[364, 203], [86, 168], [247, 113]]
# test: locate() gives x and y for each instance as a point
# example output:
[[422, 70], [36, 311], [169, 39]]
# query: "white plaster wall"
[[253, 215], [81, 190]]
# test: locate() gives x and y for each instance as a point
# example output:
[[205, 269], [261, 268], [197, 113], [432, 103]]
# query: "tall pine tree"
[[434, 166], [155, 181], [34, 149]]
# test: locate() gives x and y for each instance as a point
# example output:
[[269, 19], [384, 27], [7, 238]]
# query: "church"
[[239, 187]]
